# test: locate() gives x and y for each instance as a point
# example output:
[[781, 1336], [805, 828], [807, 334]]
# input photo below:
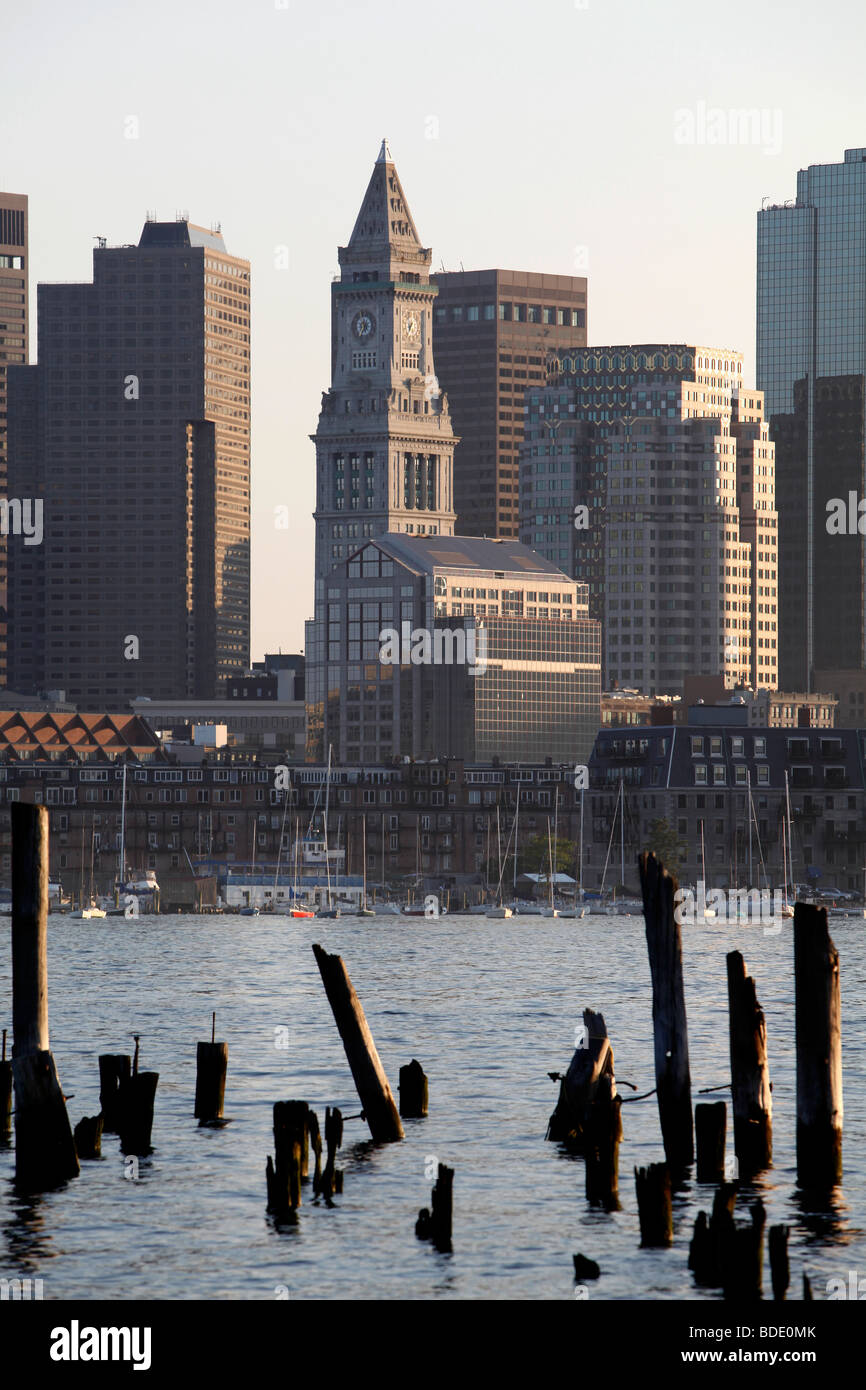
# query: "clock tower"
[[384, 444]]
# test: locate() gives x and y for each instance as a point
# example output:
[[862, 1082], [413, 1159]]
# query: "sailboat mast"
[[580, 858], [549, 865], [516, 823], [749, 815], [790, 834], [327, 795], [622, 832], [123, 829]]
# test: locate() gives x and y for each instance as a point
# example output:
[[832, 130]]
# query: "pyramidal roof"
[[384, 228]]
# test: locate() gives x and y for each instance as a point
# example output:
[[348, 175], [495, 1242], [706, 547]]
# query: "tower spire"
[[384, 156]]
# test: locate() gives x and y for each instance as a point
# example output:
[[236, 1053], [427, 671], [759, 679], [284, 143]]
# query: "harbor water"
[[489, 1008]]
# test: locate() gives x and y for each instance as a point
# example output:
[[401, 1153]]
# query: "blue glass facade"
[[811, 328]]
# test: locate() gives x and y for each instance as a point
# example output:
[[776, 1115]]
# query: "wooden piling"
[[135, 1101], [413, 1091], [88, 1137], [211, 1063], [780, 1273], [710, 1127], [333, 1140], [284, 1172], [653, 1187], [709, 1244], [578, 1088], [44, 1147], [751, 1092], [435, 1224], [315, 1141], [670, 1031], [602, 1135], [115, 1069], [5, 1095], [818, 1023], [377, 1100], [742, 1271]]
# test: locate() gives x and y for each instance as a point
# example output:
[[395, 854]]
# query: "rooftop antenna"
[[150, 216], [101, 241], [216, 228], [182, 216]]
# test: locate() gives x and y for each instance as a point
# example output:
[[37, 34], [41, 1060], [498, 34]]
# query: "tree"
[[663, 842], [534, 857]]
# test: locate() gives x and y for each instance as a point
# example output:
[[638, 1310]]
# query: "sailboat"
[[550, 911], [364, 910], [296, 909], [499, 909], [788, 870], [92, 911], [330, 910]]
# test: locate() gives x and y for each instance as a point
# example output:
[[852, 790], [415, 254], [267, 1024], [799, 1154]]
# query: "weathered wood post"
[[135, 1101], [742, 1270], [115, 1069], [435, 1224], [44, 1147], [211, 1064], [751, 1092], [708, 1251], [670, 1032], [602, 1135], [315, 1140], [653, 1187], [780, 1273], [5, 1095], [413, 1091], [88, 1137], [332, 1178], [377, 1100], [710, 1127], [818, 1022], [284, 1172]]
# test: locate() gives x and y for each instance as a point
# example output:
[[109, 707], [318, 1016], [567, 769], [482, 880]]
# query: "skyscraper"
[[384, 511], [384, 443], [811, 348], [14, 325], [134, 431], [653, 462], [492, 333]]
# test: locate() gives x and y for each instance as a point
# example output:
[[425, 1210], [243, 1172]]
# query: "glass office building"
[[647, 472], [811, 329]]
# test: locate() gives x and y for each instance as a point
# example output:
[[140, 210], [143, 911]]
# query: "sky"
[[569, 136]]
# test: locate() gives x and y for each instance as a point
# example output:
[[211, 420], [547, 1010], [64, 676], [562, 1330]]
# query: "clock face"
[[411, 324], [363, 324]]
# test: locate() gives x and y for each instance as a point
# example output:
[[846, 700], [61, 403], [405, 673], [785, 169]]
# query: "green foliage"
[[664, 843]]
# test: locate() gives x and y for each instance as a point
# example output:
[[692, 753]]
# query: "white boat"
[[86, 914], [499, 910]]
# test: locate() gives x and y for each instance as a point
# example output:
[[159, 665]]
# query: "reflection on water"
[[489, 1008]]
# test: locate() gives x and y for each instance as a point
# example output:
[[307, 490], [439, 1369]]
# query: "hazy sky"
[[543, 137]]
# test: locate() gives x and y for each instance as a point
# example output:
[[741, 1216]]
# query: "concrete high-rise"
[[133, 430], [647, 471], [14, 346], [492, 333], [811, 365]]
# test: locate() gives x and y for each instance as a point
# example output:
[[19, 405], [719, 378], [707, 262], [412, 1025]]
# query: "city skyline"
[[494, 182]]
